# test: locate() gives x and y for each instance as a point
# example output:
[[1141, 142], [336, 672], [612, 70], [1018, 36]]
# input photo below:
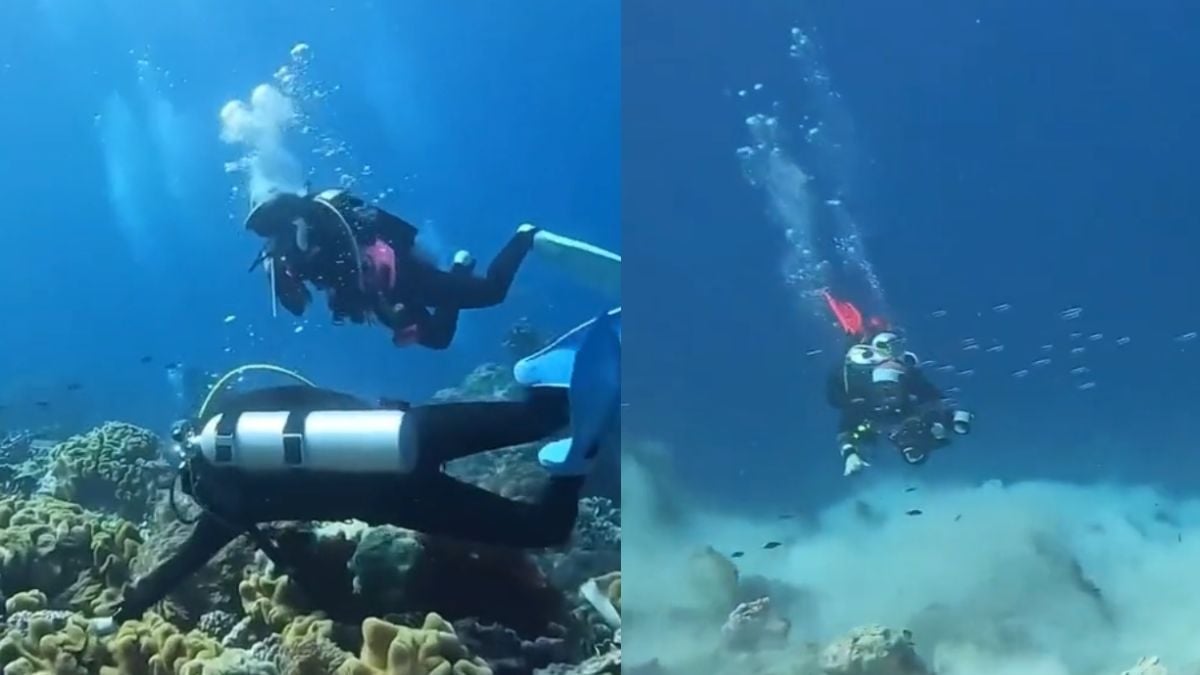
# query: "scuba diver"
[[300, 453], [371, 267], [880, 389]]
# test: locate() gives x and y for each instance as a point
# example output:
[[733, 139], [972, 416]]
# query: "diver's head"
[[308, 241], [888, 344]]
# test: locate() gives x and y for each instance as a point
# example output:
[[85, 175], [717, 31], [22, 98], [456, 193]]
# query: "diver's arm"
[[208, 537]]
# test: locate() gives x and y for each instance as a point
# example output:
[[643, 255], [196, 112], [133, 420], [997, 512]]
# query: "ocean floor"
[[1031, 578]]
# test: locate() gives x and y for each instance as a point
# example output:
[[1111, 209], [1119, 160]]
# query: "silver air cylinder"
[[334, 441], [962, 421]]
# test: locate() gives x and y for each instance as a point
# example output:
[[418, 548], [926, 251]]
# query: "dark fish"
[[146, 359], [913, 512], [74, 386], [958, 518], [737, 554], [772, 544], [786, 516], [1179, 537], [910, 489], [42, 404]]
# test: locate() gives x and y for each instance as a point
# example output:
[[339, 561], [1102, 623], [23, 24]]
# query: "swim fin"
[[595, 396], [552, 365], [589, 265]]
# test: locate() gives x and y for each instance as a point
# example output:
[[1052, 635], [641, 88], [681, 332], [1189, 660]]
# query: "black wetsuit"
[[425, 500], [921, 404], [422, 297]]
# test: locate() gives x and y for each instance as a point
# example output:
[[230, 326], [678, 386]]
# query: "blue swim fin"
[[552, 365], [595, 395]]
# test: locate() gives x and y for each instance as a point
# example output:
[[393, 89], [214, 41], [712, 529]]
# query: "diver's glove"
[[854, 463], [102, 626]]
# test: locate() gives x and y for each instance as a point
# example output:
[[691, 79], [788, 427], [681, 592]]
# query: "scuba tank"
[[335, 441]]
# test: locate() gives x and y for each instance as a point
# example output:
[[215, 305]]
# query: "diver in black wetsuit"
[[369, 264], [304, 454], [880, 389]]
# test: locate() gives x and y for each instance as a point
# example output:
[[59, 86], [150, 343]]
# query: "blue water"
[[1030, 153], [123, 240]]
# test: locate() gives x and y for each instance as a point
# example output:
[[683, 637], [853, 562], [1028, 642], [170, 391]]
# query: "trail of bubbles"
[[807, 185]]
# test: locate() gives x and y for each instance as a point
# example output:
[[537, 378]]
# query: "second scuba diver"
[[879, 389], [371, 267]]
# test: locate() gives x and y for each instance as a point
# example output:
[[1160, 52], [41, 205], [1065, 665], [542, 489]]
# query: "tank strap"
[[226, 425], [293, 438]]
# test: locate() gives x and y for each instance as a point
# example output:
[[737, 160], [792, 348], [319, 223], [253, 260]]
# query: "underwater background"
[[137, 136], [1018, 178], [124, 235]]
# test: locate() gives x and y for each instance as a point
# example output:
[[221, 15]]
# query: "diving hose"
[[216, 389]]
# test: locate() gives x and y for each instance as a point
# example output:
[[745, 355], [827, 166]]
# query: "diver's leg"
[[437, 330], [208, 537], [436, 288], [448, 507], [447, 431]]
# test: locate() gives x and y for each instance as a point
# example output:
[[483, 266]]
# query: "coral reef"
[[88, 514], [432, 649], [114, 467], [79, 558]]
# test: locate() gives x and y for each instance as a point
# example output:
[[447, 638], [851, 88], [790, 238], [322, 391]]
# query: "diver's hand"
[[102, 625], [854, 464]]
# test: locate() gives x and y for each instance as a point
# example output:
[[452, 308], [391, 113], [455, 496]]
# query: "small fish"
[[1096, 337], [146, 359], [813, 352], [737, 554], [833, 202], [1002, 307], [1123, 341], [938, 313], [298, 329], [958, 518], [1179, 537], [910, 489], [42, 404], [945, 368], [995, 349], [913, 512], [1071, 313], [1020, 373], [74, 386], [1078, 351], [230, 318], [1086, 385], [1080, 370], [1042, 362], [786, 516], [967, 373], [1076, 336], [1047, 348], [772, 544], [1186, 337]]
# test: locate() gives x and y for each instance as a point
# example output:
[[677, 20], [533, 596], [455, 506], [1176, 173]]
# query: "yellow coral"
[[110, 460], [26, 601], [271, 600], [155, 647], [45, 650], [432, 649], [56, 546]]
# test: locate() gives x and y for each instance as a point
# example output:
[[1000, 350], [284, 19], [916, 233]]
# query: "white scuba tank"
[[333, 441]]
